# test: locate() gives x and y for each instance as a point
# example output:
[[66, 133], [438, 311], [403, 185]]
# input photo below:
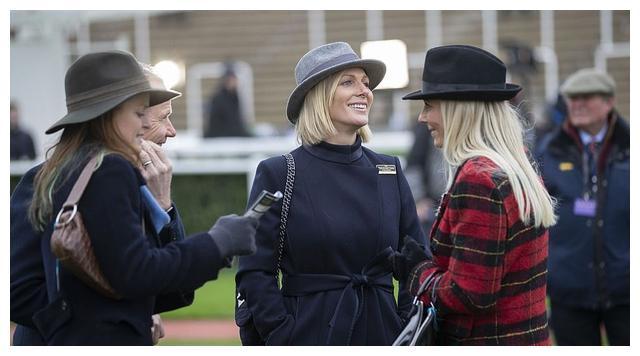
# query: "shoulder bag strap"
[[72, 201], [81, 183], [286, 202]]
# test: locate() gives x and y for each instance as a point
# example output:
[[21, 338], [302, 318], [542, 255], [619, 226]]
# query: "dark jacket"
[[589, 256], [28, 288], [345, 219], [21, 145], [492, 267], [150, 278], [225, 117]]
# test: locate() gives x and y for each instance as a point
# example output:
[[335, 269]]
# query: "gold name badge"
[[566, 166], [386, 168]]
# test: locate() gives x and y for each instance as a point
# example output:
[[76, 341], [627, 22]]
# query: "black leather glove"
[[235, 235], [403, 262]]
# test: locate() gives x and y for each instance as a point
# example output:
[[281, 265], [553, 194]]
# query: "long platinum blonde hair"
[[495, 130]]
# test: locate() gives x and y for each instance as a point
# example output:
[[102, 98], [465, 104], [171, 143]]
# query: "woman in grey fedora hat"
[[487, 278], [349, 209], [107, 94]]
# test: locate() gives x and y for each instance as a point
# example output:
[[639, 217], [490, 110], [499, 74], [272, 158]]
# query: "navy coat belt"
[[352, 301]]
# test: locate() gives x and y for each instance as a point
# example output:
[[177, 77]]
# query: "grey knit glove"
[[235, 235]]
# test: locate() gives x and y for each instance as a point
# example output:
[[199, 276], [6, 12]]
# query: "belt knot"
[[359, 280]]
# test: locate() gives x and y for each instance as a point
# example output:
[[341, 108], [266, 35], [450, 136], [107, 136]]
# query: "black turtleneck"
[[345, 154]]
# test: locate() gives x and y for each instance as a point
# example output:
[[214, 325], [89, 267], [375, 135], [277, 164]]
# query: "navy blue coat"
[[589, 264], [152, 274], [344, 221]]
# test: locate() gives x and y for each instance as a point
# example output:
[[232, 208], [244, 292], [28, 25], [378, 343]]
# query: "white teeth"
[[358, 106]]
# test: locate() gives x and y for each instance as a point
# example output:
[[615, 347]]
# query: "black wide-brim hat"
[[98, 82], [460, 72], [323, 61]]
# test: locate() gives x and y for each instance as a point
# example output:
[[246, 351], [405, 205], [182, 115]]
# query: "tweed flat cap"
[[323, 61], [588, 81]]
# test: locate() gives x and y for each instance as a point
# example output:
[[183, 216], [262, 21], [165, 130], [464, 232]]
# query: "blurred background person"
[[425, 174], [225, 116], [21, 143], [554, 115], [586, 164]]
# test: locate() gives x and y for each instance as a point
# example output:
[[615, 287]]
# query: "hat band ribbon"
[[107, 92], [430, 87], [330, 63]]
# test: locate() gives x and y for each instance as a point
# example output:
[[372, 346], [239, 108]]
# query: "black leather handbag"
[[244, 319], [421, 326]]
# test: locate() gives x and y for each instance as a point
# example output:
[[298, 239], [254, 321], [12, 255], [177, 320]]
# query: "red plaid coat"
[[492, 267]]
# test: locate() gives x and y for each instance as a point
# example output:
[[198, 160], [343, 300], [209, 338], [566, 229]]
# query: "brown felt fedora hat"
[[98, 82]]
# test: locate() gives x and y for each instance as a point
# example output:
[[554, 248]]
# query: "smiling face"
[[432, 117], [349, 109], [160, 126], [130, 120]]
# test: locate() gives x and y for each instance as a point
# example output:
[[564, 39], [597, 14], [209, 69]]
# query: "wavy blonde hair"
[[314, 123], [494, 130]]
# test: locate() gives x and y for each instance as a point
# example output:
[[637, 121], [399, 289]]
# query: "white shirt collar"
[[587, 138]]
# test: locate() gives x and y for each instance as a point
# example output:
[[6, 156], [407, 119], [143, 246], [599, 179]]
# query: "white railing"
[[241, 155]]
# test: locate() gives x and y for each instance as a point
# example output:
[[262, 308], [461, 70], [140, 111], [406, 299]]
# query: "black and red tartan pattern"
[[493, 285]]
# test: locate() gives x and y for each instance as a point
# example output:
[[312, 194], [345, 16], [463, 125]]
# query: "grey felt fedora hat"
[[98, 82], [323, 61]]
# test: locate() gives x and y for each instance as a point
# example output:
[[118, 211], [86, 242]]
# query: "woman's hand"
[[411, 255], [157, 171]]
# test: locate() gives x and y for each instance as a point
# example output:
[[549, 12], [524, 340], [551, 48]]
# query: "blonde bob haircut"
[[314, 122], [495, 130]]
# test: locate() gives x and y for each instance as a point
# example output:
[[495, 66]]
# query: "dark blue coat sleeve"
[[256, 280], [173, 231], [28, 287], [111, 208], [409, 225]]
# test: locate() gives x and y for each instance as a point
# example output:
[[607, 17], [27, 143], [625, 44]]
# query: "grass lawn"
[[214, 300]]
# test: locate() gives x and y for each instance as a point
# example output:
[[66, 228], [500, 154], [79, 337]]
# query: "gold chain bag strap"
[[70, 241]]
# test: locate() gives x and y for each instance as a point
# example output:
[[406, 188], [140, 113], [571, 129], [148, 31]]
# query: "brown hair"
[[77, 143]]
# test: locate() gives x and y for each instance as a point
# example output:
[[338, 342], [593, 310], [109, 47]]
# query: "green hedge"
[[202, 199]]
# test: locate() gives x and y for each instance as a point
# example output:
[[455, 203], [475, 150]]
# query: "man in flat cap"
[[585, 166]]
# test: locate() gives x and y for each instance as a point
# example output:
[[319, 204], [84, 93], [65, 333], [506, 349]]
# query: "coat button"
[[589, 223], [604, 183], [600, 223], [63, 305]]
